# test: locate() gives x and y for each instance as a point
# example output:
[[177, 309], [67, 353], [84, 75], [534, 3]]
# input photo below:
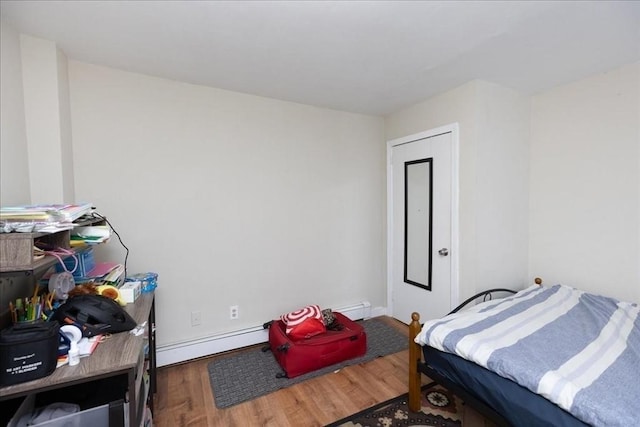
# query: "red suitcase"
[[306, 355]]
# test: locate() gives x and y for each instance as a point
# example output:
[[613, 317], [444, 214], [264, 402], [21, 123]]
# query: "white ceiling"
[[372, 57]]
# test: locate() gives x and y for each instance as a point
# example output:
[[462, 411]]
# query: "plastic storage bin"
[[94, 417], [101, 403], [86, 263]]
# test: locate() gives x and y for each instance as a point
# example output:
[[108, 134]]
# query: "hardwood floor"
[[185, 398]]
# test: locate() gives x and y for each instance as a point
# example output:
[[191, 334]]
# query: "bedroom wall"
[[585, 184], [494, 141], [502, 187], [47, 119], [233, 199], [14, 160], [64, 127]]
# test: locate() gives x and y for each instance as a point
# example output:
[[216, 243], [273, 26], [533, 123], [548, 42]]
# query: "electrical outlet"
[[196, 318], [234, 313]]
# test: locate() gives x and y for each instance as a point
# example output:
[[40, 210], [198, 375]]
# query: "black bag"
[[28, 351]]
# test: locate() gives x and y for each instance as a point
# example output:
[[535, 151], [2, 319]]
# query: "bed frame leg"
[[414, 357]]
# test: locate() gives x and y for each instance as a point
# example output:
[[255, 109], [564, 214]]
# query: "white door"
[[423, 233]]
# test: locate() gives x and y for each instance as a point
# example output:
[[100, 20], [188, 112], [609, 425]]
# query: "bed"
[[541, 356]]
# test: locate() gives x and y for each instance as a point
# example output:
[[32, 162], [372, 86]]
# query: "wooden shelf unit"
[[16, 249], [121, 354]]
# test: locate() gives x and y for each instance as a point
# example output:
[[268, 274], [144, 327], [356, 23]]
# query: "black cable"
[[96, 214]]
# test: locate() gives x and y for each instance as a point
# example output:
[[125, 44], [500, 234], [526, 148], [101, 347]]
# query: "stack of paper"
[[86, 346], [90, 235], [44, 218]]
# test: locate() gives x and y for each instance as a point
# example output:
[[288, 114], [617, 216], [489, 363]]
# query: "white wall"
[[47, 118], [501, 189], [585, 184], [14, 161], [66, 141], [494, 140], [233, 199]]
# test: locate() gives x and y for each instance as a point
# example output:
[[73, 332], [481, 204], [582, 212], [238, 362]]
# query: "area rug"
[[439, 407], [250, 374]]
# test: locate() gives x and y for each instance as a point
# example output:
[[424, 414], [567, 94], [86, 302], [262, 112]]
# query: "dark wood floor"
[[185, 398]]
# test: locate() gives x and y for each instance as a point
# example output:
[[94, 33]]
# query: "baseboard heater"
[[181, 352]]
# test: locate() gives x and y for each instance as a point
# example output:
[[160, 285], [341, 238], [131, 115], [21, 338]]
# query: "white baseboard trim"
[[181, 352]]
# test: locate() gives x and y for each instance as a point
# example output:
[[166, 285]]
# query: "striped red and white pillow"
[[295, 318]]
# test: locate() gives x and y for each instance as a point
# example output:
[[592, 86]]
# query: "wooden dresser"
[[122, 354]]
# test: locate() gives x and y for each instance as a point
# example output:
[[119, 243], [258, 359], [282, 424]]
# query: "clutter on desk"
[[104, 273], [85, 269], [60, 284], [107, 291], [139, 329], [110, 291], [94, 315], [148, 281], [72, 346], [130, 291]]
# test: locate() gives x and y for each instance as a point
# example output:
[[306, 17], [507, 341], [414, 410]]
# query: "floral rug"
[[439, 407]]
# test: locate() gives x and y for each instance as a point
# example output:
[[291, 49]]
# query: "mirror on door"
[[418, 186]]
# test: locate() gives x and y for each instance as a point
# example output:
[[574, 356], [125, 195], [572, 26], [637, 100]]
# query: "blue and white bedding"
[[578, 350]]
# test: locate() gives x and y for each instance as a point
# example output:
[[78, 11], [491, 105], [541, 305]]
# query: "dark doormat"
[[249, 374]]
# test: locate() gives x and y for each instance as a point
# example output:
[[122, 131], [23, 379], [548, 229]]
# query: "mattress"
[[519, 406], [580, 351]]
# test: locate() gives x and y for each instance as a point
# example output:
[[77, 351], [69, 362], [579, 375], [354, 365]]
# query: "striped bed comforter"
[[578, 350]]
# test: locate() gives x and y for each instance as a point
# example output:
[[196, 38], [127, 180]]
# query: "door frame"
[[454, 252]]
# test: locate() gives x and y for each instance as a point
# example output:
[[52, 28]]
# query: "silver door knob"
[[444, 251]]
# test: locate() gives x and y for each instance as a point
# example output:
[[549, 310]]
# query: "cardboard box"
[[130, 291]]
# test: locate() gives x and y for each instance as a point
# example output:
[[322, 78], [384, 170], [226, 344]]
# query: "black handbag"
[[28, 351]]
